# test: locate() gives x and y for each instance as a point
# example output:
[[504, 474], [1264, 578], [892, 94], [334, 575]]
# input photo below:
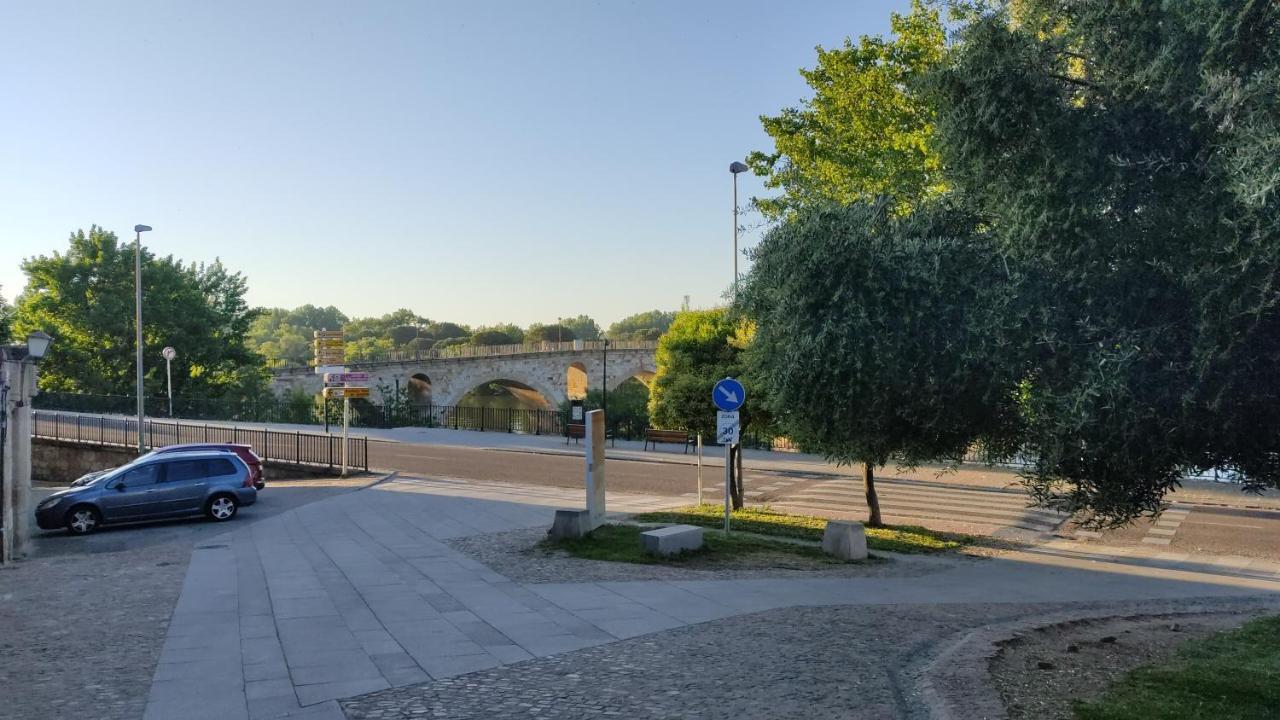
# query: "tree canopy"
[[1124, 155], [867, 131], [85, 300], [548, 333], [641, 326], [6, 317]]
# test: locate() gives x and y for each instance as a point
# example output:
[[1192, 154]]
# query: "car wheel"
[[83, 519], [222, 508]]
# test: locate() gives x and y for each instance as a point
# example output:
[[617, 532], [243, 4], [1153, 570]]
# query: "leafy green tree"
[[878, 337], [867, 131], [6, 313], [1124, 155], [628, 407], [583, 327], [402, 334], [447, 343], [641, 326], [548, 333], [284, 336], [85, 300], [492, 337], [368, 349], [447, 330], [700, 348]]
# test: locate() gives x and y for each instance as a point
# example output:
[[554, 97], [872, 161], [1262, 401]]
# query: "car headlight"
[[48, 503]]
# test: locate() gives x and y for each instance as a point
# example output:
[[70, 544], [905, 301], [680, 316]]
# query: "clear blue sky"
[[473, 161]]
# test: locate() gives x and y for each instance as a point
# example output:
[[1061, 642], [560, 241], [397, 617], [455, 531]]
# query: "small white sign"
[[341, 378], [322, 369], [727, 427]]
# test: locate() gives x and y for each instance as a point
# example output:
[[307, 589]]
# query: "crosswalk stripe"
[[985, 496], [915, 518], [934, 514], [943, 502]]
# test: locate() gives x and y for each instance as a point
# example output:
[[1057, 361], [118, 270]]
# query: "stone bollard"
[[845, 540], [571, 524]]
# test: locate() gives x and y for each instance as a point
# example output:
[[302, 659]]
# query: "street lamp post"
[[604, 383], [169, 354], [735, 167], [137, 319]]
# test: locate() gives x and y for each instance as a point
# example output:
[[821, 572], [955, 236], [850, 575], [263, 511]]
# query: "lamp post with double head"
[[137, 319]]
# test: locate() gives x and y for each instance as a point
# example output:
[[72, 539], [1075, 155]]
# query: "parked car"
[[215, 483], [245, 452]]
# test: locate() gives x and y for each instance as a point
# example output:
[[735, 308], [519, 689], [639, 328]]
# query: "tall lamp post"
[[604, 383], [736, 167], [169, 354], [137, 318]]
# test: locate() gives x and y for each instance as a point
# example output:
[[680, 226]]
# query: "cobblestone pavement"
[[82, 622], [847, 662]]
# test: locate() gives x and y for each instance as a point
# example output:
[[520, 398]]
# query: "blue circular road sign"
[[728, 395]]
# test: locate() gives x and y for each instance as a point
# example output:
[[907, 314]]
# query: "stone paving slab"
[[358, 594]]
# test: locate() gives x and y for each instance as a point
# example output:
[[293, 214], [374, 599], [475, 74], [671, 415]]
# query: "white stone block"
[[570, 524], [845, 540], [671, 540]]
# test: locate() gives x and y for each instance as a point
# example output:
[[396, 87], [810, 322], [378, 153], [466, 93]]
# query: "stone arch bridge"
[[553, 372]]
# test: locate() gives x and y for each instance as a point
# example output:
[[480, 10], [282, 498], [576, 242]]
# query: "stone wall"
[[58, 461]]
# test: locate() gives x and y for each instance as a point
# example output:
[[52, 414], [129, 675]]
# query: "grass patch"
[[621, 543], [763, 521], [1230, 676]]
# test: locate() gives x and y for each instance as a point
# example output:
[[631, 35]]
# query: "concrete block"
[[571, 524], [672, 539], [845, 540]]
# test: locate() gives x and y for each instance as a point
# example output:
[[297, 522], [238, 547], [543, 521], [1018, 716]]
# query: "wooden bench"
[[654, 436], [578, 431]]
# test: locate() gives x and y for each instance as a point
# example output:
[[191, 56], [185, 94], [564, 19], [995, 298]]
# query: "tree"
[[548, 333], [1124, 157], [641, 326], [868, 130], [85, 300], [492, 337], [284, 336], [700, 348], [447, 330], [583, 327], [402, 334], [6, 313], [877, 336]]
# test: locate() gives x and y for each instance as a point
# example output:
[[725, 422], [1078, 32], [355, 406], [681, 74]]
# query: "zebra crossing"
[[904, 501]]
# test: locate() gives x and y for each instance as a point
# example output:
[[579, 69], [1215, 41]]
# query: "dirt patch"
[[1039, 674]]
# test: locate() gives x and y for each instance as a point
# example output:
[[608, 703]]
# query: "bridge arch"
[[548, 394], [420, 389], [576, 381]]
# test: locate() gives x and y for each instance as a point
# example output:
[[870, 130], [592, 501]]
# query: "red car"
[[246, 453]]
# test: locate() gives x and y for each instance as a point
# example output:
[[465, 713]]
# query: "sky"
[[478, 162]]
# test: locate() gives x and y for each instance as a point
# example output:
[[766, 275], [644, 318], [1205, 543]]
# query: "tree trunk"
[[873, 501]]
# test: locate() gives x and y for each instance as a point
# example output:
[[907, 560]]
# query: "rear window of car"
[[221, 467]]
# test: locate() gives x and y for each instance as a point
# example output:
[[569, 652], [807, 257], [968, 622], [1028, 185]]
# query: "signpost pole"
[[727, 502], [346, 419], [699, 468]]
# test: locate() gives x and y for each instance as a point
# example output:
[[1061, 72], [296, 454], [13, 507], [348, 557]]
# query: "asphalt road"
[[1198, 528]]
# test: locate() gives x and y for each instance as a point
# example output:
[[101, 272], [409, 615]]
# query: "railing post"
[[102, 430], [206, 432], [297, 446]]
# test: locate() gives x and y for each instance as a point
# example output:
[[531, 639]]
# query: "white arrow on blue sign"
[[728, 395]]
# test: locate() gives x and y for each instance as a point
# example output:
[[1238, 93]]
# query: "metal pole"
[[168, 374], [699, 468], [137, 321], [735, 236], [604, 383], [727, 503], [346, 419]]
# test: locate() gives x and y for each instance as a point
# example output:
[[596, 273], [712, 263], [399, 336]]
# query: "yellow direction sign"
[[346, 392], [327, 334]]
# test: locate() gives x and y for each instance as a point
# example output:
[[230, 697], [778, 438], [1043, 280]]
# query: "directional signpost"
[[330, 349], [728, 395]]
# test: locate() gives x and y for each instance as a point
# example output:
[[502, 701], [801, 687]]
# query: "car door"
[[184, 486], [129, 496]]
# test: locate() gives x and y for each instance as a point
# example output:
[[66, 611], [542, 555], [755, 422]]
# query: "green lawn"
[[763, 521], [621, 543], [1231, 676]]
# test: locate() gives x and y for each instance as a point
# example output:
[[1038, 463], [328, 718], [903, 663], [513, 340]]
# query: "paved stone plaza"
[[360, 593]]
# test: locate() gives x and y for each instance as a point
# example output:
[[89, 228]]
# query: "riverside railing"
[[281, 446], [481, 351]]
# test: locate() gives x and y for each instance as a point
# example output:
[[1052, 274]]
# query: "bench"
[[671, 540], [578, 431], [654, 436]]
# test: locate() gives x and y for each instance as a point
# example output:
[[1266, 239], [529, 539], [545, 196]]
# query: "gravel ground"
[[846, 662], [1039, 674], [516, 554]]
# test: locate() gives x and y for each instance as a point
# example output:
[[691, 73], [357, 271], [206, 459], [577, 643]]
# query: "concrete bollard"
[[845, 540], [570, 524]]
